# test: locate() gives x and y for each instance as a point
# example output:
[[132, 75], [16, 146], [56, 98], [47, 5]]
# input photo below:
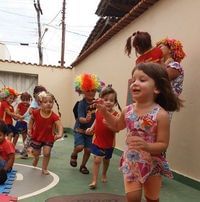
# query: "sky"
[[18, 25]]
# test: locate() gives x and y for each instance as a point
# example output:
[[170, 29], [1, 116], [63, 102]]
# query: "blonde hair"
[[45, 94]]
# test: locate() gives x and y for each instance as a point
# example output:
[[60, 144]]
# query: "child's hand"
[[99, 104], [135, 142], [89, 131], [56, 137], [88, 117]]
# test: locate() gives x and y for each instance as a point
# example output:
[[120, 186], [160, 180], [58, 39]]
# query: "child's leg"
[[24, 136], [86, 154], [95, 171], [46, 158], [15, 139], [152, 188], [106, 163], [78, 147], [36, 154], [133, 191]]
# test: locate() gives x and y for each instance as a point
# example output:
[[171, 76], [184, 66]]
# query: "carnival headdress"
[[86, 82], [7, 91], [175, 47]]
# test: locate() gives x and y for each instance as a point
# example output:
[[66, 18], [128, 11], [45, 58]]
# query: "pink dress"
[[137, 165]]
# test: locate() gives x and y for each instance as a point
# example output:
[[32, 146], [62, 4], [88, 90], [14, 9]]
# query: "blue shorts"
[[38, 145], [11, 129], [21, 127], [82, 139], [97, 151]]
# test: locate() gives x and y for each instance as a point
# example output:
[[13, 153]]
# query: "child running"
[[42, 127], [148, 131], [104, 136], [88, 85], [21, 125], [35, 104], [7, 114]]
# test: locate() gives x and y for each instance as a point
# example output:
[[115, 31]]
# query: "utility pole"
[[39, 11], [62, 60]]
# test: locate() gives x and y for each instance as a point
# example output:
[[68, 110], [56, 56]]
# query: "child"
[[143, 46], [34, 105], [7, 153], [104, 136], [148, 130], [86, 84], [172, 56], [42, 127], [22, 107], [7, 113]]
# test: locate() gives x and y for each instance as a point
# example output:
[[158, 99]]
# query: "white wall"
[[167, 18], [58, 81]]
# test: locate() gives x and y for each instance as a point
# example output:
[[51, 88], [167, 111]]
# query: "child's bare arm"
[[90, 131], [59, 129], [118, 123], [13, 114]]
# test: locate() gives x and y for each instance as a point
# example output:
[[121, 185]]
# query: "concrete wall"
[[167, 18], [57, 80]]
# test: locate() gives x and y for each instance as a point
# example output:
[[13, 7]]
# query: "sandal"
[[84, 170], [73, 160], [92, 186]]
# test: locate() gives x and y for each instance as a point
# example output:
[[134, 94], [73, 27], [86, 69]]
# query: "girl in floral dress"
[[148, 131]]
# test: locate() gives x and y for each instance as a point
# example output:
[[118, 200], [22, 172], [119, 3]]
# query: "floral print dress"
[[177, 83], [137, 165]]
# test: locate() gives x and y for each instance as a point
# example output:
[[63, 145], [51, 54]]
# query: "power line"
[[16, 14]]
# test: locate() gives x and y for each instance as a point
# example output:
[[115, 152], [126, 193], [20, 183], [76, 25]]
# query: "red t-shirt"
[[22, 107], [103, 136], [153, 55], [43, 128], [3, 115], [6, 148]]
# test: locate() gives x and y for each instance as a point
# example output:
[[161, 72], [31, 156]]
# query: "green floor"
[[73, 182]]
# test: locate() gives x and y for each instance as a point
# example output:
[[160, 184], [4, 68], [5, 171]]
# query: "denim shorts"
[[12, 129], [97, 151], [21, 127], [82, 139]]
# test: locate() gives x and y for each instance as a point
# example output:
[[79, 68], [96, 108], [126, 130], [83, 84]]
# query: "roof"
[[95, 42], [117, 8], [32, 64]]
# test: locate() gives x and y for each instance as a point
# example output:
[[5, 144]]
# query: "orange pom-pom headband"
[[175, 47], [7, 91], [86, 82]]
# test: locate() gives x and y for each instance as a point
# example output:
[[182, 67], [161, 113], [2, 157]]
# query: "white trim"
[[51, 185]]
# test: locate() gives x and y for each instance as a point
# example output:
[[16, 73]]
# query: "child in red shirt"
[[7, 152], [21, 125], [143, 46], [7, 114], [42, 127], [104, 136]]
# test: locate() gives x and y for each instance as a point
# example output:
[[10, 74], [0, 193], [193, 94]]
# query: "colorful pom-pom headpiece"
[[87, 82], [7, 91], [175, 47]]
